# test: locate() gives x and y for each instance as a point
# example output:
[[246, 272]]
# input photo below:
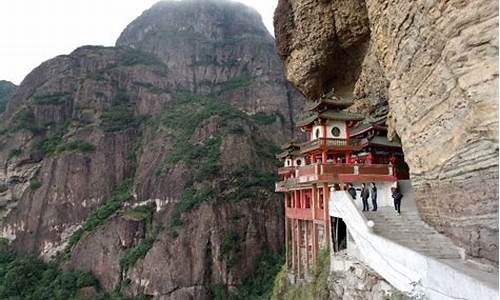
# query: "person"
[[365, 194], [397, 196], [352, 191], [374, 196]]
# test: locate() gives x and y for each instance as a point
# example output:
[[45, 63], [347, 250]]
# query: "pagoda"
[[342, 147]]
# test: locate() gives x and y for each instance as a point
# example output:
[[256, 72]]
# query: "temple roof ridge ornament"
[[329, 101], [332, 115]]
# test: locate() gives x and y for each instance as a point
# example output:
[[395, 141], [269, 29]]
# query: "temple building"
[[341, 148]]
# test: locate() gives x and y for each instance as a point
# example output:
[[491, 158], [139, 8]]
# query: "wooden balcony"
[[286, 170], [330, 143], [337, 173]]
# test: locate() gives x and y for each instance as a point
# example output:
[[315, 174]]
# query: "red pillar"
[[299, 240], [326, 214], [286, 230], [324, 157], [306, 243], [293, 244]]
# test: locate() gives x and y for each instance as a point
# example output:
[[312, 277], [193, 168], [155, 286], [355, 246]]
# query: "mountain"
[[7, 89], [151, 164]]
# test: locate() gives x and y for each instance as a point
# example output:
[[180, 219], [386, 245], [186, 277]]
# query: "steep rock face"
[[212, 47], [436, 64], [152, 167], [7, 89]]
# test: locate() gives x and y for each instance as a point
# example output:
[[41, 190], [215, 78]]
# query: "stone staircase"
[[410, 231]]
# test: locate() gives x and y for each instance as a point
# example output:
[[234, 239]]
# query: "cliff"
[[7, 89], [150, 164], [434, 64]]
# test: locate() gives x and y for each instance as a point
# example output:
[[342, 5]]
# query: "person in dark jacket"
[[397, 196], [365, 194], [352, 191], [374, 196]]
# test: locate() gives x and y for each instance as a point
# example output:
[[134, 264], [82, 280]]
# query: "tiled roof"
[[330, 115]]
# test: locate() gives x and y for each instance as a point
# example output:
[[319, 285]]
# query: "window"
[[335, 131], [317, 133], [299, 162]]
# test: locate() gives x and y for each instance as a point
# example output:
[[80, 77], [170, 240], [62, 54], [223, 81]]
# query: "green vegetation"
[[190, 199], [24, 118], [250, 183], [15, 152], [56, 98], [132, 255], [151, 87], [51, 143], [99, 216], [28, 278], [131, 57], [317, 289], [7, 90], [97, 76], [76, 145], [120, 115], [258, 285], [236, 83], [180, 121], [35, 184], [54, 144], [230, 249]]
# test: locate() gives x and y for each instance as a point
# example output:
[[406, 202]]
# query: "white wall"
[[384, 194], [405, 269], [340, 124]]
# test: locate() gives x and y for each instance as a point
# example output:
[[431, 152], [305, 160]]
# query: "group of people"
[[366, 192]]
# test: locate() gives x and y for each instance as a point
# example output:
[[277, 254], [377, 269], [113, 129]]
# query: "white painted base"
[[406, 269]]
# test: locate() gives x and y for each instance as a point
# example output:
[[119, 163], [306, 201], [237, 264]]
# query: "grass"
[[230, 248], [15, 152], [98, 217], [35, 184], [27, 277], [236, 83], [54, 143], [258, 285], [190, 199], [119, 116], [24, 119], [317, 289], [131, 256], [76, 145], [181, 121], [249, 183], [131, 57], [56, 98]]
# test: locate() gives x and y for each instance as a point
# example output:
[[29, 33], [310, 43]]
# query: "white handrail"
[[343, 205]]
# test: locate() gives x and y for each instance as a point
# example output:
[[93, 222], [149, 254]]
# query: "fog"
[[32, 31]]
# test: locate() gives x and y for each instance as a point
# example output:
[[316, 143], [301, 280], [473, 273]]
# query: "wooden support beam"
[[315, 245], [326, 215], [308, 250], [299, 256], [293, 244]]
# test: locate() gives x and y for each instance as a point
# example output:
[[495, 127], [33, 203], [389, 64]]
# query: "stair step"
[[410, 231]]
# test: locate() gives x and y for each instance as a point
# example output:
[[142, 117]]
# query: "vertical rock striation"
[[150, 164], [435, 63]]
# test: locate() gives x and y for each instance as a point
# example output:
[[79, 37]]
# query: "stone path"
[[410, 231]]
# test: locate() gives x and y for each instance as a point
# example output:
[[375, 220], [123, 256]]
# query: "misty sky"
[[32, 31]]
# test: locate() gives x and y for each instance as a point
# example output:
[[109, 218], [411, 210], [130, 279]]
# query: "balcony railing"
[[329, 142], [285, 170], [332, 171]]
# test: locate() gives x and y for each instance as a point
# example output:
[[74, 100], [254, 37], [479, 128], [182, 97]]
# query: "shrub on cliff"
[[29, 278]]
